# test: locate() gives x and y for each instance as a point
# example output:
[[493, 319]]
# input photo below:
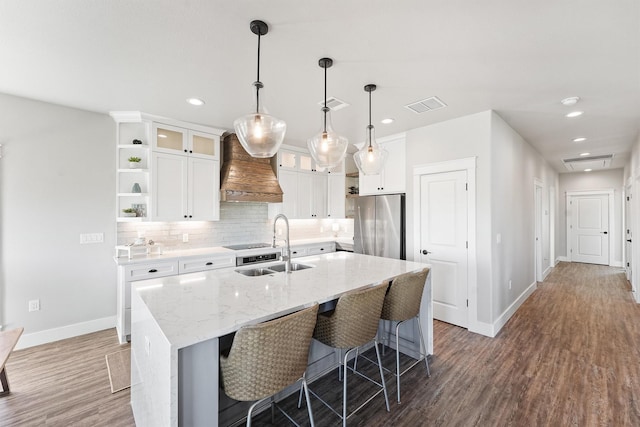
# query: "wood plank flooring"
[[569, 356]]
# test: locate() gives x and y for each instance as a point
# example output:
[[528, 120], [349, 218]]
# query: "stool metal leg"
[[423, 346], [398, 358], [384, 385]]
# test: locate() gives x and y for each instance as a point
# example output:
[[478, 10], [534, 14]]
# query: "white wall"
[[467, 136], [57, 180], [597, 180], [506, 168], [515, 165]]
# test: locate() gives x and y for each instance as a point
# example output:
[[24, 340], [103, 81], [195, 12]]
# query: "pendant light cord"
[[324, 110], [258, 83], [370, 127]]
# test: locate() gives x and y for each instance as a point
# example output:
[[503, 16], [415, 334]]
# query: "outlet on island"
[[185, 238]]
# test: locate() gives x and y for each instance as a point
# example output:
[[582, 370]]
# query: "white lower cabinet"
[[131, 273], [191, 265], [185, 188], [298, 251]]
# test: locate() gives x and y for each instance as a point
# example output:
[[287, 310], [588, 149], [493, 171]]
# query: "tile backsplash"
[[239, 223]]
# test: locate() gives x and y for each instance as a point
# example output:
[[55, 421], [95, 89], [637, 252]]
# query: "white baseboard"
[[63, 332], [562, 259], [546, 272], [510, 311], [482, 328], [616, 264]]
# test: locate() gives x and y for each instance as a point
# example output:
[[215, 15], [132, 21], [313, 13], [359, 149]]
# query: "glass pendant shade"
[[327, 147], [259, 133], [371, 157]]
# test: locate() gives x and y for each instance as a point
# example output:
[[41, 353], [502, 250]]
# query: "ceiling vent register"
[[588, 162], [334, 104], [429, 104]]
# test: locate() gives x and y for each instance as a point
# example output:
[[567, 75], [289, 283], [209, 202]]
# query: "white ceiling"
[[517, 57]]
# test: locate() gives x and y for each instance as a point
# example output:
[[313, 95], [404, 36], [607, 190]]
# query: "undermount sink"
[[256, 272], [294, 267], [277, 268]]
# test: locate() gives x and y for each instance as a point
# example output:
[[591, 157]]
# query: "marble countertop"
[[191, 308], [216, 250]]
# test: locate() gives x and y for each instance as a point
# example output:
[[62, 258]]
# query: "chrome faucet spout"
[[286, 258]]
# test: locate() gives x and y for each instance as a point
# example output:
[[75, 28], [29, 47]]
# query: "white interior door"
[[590, 229], [443, 242], [538, 233]]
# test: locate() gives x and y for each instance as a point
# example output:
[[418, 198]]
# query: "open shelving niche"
[[131, 126]]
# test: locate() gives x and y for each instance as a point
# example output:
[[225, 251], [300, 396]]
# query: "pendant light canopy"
[[327, 147], [259, 133], [371, 157]]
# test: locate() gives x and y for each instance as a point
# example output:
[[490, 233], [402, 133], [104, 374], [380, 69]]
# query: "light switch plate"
[[91, 238]]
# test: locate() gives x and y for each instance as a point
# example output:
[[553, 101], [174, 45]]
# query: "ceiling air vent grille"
[[334, 103], [429, 104], [588, 162]]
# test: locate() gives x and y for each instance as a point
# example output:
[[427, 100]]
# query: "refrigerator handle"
[[361, 233]]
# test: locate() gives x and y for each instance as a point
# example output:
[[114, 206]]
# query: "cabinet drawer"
[[207, 263], [298, 252], [321, 249], [149, 271]]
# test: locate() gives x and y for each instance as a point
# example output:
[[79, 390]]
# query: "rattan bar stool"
[[352, 324], [402, 304], [266, 358]]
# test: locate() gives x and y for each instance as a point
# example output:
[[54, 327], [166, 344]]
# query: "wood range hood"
[[244, 178]]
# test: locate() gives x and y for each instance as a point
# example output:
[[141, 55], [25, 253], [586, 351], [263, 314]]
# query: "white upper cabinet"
[[392, 179], [173, 140], [178, 175], [308, 191]]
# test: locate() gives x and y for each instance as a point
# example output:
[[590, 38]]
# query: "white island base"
[[179, 321]]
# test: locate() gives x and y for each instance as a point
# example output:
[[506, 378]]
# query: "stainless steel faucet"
[[286, 258]]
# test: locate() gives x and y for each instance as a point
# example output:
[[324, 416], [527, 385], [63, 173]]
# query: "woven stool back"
[[354, 322], [267, 357], [405, 294]]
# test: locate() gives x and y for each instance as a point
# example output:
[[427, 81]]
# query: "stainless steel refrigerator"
[[379, 226]]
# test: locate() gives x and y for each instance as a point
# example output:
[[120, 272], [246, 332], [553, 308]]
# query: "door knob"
[[629, 240], [425, 252]]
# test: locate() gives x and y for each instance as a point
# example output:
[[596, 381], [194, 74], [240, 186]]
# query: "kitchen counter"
[[186, 253], [177, 321]]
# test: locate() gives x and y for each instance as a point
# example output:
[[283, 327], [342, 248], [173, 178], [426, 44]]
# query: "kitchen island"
[[178, 323]]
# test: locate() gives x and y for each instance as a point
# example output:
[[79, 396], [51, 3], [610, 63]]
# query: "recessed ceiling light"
[[195, 101], [580, 139], [573, 100], [588, 170], [575, 114], [585, 154], [387, 121]]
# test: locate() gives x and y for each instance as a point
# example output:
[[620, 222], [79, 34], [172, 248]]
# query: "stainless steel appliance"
[[379, 226]]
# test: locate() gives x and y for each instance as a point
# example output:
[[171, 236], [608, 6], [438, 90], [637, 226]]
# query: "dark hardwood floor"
[[569, 356]]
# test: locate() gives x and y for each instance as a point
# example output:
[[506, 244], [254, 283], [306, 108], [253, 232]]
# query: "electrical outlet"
[[185, 238], [509, 284], [34, 305], [91, 238], [147, 345]]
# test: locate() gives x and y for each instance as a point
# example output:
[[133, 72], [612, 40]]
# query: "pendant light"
[[327, 147], [259, 133], [371, 157]]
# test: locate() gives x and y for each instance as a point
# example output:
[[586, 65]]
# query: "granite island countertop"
[[191, 308]]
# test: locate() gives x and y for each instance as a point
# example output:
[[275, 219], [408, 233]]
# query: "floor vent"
[[429, 104], [334, 103], [588, 162]]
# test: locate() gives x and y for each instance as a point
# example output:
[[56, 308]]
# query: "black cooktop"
[[247, 246]]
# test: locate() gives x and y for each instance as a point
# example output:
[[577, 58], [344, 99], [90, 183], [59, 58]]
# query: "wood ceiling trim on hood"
[[246, 179]]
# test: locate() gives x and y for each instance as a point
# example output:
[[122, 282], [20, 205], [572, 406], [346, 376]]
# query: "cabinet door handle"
[[604, 232], [153, 270], [190, 216], [322, 249], [185, 150], [185, 216], [209, 263], [190, 151]]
